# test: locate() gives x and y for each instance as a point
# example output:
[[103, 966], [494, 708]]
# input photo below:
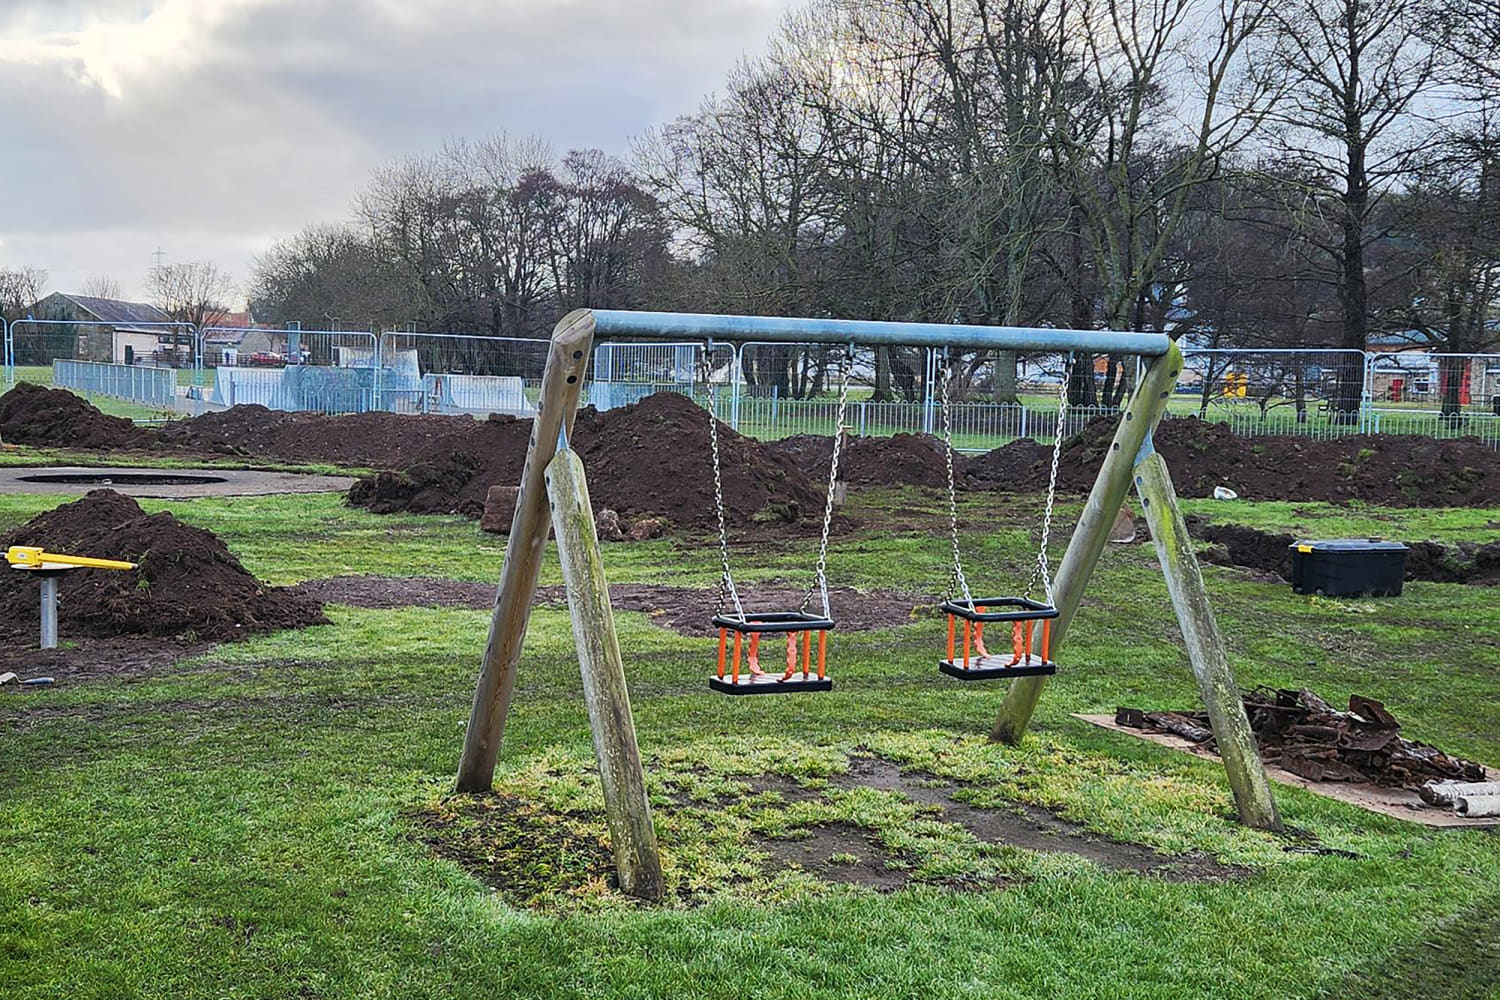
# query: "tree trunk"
[[1003, 377], [1352, 292], [882, 375]]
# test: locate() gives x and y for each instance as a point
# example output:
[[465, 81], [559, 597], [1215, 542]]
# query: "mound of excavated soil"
[[655, 458], [1014, 467], [379, 440], [51, 418], [650, 458], [898, 460], [187, 582], [1387, 469]]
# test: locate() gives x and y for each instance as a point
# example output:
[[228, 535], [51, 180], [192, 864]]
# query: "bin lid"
[[1347, 545]]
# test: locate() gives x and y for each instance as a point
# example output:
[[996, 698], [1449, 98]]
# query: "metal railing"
[[152, 386], [761, 389]]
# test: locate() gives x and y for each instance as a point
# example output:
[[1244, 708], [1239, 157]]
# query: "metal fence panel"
[[151, 386]]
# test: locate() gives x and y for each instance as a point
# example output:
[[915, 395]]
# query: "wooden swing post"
[[567, 362], [1131, 458], [631, 835]]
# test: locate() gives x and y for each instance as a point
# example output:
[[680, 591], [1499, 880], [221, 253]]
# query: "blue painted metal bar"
[[616, 323]]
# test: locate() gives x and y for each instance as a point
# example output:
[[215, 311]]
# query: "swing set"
[[553, 497], [1030, 620]]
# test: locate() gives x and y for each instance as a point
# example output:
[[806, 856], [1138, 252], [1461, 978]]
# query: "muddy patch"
[[839, 854], [387, 592], [685, 610], [86, 659], [515, 847], [1030, 827], [690, 610]]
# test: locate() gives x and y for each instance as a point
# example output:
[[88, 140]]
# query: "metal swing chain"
[[821, 580], [1042, 571], [726, 578], [945, 402]]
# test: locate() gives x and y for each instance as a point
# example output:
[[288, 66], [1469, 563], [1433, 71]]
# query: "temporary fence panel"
[[623, 373], [151, 386], [266, 347], [458, 373], [158, 345], [318, 388], [1310, 393]]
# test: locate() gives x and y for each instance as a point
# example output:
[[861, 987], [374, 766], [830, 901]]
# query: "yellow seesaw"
[[34, 557], [48, 566]]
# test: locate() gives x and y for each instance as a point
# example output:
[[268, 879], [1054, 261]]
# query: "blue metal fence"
[[151, 386]]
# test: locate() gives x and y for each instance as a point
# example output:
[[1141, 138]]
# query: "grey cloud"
[[287, 106]]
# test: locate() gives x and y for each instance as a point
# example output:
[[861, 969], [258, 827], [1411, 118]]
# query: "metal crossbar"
[[613, 323]]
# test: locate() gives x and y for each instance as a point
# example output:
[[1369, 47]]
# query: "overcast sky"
[[212, 128]]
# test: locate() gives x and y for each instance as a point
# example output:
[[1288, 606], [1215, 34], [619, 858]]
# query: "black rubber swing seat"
[[1024, 661], [798, 678]]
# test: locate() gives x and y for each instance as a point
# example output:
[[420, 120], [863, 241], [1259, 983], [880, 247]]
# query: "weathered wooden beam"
[[631, 834], [1205, 645], [567, 362], [1091, 535]]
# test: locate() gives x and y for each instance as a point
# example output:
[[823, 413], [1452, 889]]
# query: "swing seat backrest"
[[999, 609]]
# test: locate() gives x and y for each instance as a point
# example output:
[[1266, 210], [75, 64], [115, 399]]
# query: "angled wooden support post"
[[1205, 644], [631, 834], [1090, 537], [567, 361]]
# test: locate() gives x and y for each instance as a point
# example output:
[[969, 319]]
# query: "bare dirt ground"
[[686, 610]]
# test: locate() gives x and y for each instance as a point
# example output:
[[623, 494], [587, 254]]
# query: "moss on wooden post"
[[567, 361], [1205, 646], [631, 834]]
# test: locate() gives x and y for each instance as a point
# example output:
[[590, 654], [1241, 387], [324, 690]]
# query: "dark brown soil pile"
[[898, 460], [1269, 552], [1302, 733], [651, 458], [1388, 469], [56, 418], [379, 440], [188, 582], [655, 458], [439, 485], [1015, 467]]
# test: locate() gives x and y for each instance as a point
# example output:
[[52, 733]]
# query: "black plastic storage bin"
[[1348, 567]]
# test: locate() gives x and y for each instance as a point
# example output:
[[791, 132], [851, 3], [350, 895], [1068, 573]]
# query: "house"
[[236, 336], [95, 329]]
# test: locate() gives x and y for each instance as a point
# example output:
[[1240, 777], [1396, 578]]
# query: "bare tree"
[[193, 292], [20, 290], [1355, 73], [101, 286]]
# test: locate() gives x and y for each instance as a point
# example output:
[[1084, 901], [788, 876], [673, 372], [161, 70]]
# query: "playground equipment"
[[553, 492], [1023, 613], [798, 626], [48, 567]]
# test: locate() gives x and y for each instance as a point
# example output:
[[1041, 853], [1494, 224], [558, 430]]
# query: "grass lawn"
[[251, 823]]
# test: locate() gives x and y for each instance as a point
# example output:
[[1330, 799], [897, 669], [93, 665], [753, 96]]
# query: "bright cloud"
[[213, 127]]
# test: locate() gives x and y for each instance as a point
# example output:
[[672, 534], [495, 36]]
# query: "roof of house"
[[115, 311]]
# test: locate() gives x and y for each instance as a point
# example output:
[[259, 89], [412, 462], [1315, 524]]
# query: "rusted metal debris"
[[1302, 733]]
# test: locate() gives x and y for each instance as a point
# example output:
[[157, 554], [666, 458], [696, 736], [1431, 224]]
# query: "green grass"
[[244, 825]]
